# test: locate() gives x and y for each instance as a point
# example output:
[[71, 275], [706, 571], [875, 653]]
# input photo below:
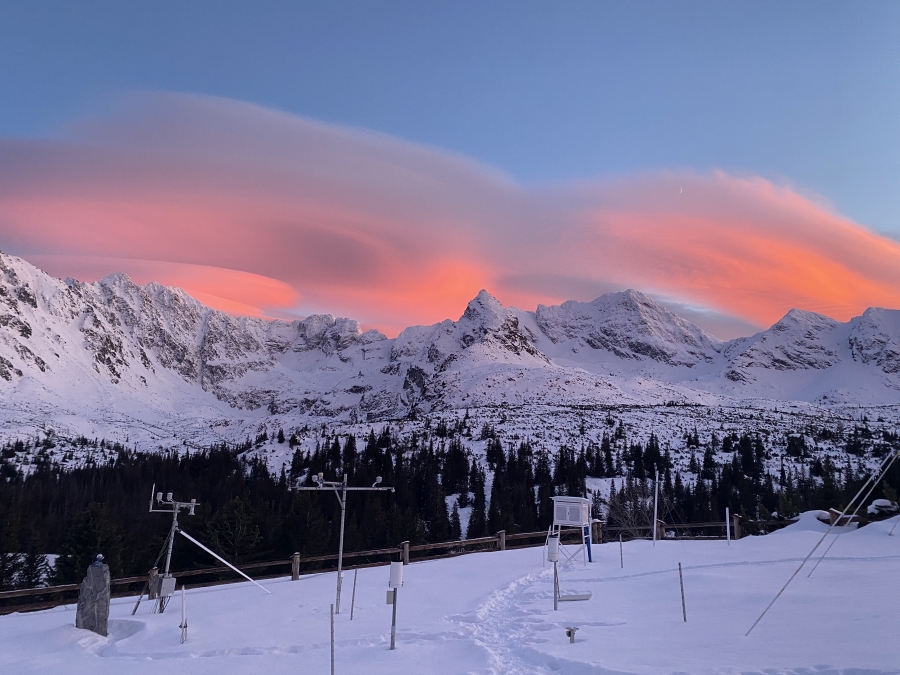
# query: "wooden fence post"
[[736, 520], [660, 529], [596, 532], [295, 567], [404, 549], [152, 583], [501, 540]]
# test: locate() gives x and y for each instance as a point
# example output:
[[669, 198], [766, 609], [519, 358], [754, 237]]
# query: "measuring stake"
[[681, 581], [394, 620], [332, 640], [621, 557], [353, 597], [727, 526]]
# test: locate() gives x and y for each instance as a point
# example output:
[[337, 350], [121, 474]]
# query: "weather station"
[[341, 489]]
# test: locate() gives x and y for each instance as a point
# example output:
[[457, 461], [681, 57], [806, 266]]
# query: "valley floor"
[[493, 613]]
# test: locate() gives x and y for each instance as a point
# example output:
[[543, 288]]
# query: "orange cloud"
[[744, 247], [262, 213]]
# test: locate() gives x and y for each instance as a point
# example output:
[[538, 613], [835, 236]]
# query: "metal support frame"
[[556, 531], [555, 587], [173, 507], [340, 491]]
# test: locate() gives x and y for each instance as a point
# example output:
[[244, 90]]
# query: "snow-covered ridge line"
[[150, 357]]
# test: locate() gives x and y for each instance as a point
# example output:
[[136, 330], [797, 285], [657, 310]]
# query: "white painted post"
[[332, 639], [621, 557], [353, 596], [655, 503], [553, 556], [728, 526], [340, 570], [395, 582]]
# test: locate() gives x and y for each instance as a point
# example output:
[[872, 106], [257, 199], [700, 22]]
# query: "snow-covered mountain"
[[74, 354]]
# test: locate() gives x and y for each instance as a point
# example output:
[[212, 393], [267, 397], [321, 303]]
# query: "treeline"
[[745, 482], [247, 514]]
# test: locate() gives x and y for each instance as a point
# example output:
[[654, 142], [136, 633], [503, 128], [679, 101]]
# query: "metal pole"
[[621, 557], [171, 541], [184, 623], [681, 581], [655, 501], [393, 621], [555, 588], [332, 640], [161, 602], [342, 498], [727, 526], [353, 595]]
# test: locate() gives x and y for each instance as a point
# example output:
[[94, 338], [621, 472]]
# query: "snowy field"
[[493, 613]]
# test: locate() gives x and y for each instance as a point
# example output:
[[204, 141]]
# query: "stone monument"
[[93, 599]]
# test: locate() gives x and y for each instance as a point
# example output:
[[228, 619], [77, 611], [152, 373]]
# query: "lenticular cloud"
[[259, 212]]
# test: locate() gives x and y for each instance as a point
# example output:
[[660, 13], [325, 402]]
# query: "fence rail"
[[405, 551]]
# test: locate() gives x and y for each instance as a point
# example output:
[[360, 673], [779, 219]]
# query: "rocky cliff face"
[[799, 341], [875, 339], [629, 325], [154, 355]]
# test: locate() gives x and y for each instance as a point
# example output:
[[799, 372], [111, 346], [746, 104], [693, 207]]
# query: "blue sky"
[[803, 92]]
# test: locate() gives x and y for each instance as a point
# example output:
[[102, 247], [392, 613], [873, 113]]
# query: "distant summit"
[[74, 354]]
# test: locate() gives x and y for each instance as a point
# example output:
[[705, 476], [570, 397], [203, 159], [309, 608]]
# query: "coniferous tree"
[[455, 525], [478, 517], [95, 531]]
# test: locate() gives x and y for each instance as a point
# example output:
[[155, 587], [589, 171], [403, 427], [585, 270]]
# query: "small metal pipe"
[[555, 588], [394, 620], [353, 595], [342, 498]]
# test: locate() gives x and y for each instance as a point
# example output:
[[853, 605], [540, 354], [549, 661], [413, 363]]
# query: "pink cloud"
[[260, 212]]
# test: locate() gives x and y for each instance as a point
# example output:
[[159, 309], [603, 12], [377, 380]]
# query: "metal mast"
[[340, 491]]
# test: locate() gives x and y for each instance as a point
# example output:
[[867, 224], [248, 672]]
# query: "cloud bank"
[[259, 212]]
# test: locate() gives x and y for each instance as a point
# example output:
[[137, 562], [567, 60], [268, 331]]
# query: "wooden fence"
[[29, 599]]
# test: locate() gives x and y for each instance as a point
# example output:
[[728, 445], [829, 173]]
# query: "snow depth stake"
[[621, 556], [353, 596]]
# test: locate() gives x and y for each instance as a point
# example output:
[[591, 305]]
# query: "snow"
[[493, 613], [116, 360]]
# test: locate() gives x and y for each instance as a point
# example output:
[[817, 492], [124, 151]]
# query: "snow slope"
[[493, 613], [114, 359]]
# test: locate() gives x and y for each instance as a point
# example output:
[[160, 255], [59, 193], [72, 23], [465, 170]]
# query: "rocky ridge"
[[152, 355]]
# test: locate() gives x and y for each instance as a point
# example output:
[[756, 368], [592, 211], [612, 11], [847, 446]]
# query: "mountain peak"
[[631, 325], [484, 308]]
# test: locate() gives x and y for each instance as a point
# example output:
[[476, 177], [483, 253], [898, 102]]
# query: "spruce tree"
[[455, 526]]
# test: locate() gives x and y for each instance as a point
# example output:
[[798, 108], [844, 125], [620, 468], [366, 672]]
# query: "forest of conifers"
[[248, 514]]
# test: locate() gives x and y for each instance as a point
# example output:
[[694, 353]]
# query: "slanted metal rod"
[[218, 557]]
